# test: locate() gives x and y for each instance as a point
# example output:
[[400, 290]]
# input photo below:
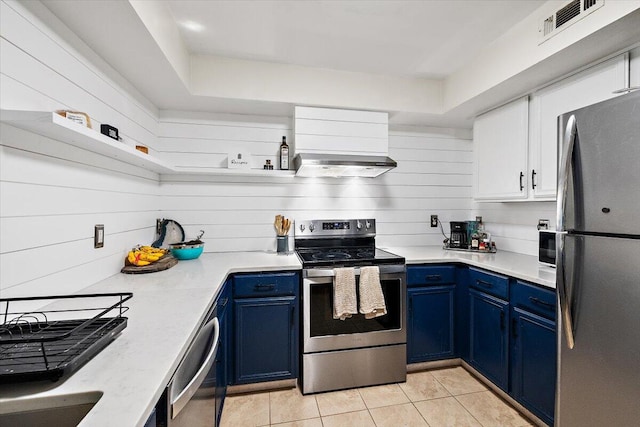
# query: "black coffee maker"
[[459, 237]]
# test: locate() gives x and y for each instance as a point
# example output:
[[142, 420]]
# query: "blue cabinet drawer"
[[491, 283], [430, 275], [260, 285], [534, 299]]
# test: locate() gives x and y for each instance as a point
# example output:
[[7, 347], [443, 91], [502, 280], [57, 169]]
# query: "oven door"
[[324, 333]]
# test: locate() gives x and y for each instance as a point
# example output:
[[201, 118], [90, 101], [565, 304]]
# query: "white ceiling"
[[403, 38], [264, 56]]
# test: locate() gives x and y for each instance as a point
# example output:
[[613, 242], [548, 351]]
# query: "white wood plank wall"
[[52, 194], [513, 225], [236, 213]]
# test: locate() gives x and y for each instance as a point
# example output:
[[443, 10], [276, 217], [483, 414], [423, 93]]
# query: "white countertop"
[[168, 306], [520, 266], [166, 309]]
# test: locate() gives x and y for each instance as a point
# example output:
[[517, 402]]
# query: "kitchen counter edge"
[[519, 266]]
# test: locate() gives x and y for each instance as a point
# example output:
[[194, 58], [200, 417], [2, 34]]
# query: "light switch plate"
[[98, 236]]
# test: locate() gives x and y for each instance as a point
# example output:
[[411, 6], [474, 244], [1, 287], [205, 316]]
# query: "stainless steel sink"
[[60, 411]]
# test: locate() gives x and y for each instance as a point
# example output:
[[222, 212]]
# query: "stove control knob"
[[301, 227], [359, 225], [312, 227], [368, 225]]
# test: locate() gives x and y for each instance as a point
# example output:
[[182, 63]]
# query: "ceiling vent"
[[567, 15]]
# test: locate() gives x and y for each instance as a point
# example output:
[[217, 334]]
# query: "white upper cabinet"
[[500, 152], [579, 90], [516, 146]]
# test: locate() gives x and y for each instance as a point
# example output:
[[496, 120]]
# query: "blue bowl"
[[183, 252]]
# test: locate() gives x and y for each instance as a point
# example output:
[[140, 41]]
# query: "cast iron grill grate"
[[44, 338]]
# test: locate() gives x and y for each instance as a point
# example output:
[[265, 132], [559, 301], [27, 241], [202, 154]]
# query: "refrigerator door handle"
[[563, 180]]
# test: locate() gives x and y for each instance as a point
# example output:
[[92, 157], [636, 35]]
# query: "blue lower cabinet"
[[533, 363], [430, 327], [266, 339], [489, 336]]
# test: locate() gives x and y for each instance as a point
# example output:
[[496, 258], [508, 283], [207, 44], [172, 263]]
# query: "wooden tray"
[[164, 263]]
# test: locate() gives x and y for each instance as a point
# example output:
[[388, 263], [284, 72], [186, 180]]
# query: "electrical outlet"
[[98, 236], [434, 220], [543, 224]]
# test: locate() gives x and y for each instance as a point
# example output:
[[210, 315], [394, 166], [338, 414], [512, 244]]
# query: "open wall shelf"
[[54, 126]]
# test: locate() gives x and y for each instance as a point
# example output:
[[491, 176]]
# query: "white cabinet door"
[[500, 152], [584, 88]]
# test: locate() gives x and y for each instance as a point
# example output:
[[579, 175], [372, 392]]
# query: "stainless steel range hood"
[[341, 165]]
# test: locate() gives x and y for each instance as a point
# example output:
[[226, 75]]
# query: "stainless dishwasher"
[[190, 396]]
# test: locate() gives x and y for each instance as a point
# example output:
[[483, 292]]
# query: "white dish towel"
[[344, 293], [371, 297]]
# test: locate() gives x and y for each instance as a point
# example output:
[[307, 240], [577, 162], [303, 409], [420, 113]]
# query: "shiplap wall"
[[433, 177], [513, 225], [52, 194]]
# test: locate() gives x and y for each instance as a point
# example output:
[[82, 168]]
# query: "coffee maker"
[[459, 237]]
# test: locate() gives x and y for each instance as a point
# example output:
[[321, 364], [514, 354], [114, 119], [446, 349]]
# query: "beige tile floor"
[[448, 397]]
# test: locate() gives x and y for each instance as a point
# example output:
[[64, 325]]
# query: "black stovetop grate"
[[49, 337]]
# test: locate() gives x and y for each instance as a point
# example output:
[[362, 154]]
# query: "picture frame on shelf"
[[77, 117]]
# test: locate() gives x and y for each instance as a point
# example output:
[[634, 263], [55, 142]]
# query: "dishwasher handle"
[[183, 396]]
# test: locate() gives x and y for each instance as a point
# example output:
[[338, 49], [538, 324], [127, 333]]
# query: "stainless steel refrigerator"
[[598, 265]]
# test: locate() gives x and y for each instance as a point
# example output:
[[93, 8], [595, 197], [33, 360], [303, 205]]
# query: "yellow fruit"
[[145, 255]]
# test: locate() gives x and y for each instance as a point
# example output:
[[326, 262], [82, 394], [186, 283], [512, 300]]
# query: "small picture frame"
[[77, 117], [239, 159], [110, 131]]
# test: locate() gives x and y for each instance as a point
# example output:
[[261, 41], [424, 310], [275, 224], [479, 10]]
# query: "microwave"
[[547, 247]]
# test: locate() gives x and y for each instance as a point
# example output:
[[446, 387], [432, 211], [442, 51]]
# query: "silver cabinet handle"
[[563, 180], [180, 401]]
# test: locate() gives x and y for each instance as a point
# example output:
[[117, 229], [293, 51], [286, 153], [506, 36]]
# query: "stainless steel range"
[[356, 351]]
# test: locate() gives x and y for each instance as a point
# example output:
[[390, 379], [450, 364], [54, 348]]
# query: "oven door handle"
[[329, 272]]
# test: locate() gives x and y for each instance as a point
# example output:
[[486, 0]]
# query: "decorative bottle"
[[284, 154]]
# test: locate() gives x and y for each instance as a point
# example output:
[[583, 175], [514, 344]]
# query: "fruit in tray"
[[144, 255]]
